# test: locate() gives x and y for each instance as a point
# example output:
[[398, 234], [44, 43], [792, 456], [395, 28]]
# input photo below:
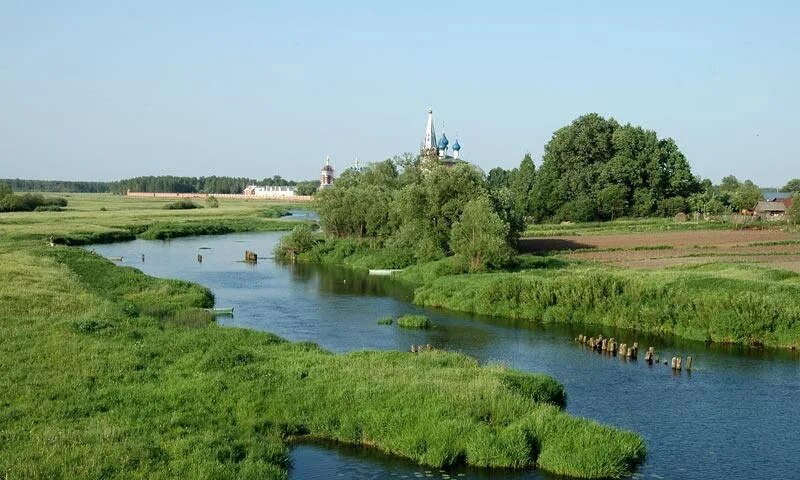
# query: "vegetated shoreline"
[[240, 395], [716, 302]]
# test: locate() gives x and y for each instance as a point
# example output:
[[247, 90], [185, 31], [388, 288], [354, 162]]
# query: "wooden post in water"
[[199, 258], [250, 257], [635, 349], [604, 344], [674, 363], [689, 362], [678, 363], [622, 349]]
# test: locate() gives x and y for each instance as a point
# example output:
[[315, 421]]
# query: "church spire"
[[430, 135]]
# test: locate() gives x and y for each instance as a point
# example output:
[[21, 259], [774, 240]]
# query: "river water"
[[736, 415]]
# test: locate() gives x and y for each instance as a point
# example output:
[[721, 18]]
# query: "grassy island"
[[106, 372]]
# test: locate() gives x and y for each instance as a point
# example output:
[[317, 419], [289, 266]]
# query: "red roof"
[[787, 202]]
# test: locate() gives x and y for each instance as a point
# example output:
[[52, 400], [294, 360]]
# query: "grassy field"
[[719, 302], [640, 225], [108, 373]]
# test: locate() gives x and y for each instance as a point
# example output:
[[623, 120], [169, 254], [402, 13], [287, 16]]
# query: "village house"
[[770, 211]]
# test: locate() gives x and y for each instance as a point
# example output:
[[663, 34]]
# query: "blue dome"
[[443, 143], [456, 146]]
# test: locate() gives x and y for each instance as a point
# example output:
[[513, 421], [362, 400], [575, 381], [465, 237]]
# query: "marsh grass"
[[387, 320], [414, 321], [727, 303]]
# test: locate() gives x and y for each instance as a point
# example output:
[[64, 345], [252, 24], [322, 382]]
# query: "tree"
[[479, 236], [612, 201], [582, 160], [522, 181], [497, 178], [792, 186], [5, 189], [794, 209], [745, 196]]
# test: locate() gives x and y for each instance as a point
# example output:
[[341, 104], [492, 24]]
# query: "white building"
[[269, 192]]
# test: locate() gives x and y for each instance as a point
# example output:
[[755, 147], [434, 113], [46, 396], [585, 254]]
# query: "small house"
[[770, 210]]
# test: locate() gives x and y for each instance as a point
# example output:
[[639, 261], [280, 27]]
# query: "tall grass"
[[722, 303], [413, 321]]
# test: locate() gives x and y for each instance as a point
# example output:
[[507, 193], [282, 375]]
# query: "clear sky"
[[110, 89]]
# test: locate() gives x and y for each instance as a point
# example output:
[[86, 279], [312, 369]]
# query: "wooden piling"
[[689, 362], [250, 257], [674, 363], [199, 258], [604, 344]]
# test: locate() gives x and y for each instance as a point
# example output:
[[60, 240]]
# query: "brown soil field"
[[687, 248]]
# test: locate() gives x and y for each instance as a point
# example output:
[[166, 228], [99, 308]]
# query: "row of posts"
[[421, 348], [612, 347]]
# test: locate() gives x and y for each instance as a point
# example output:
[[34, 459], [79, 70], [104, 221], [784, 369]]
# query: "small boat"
[[220, 311], [115, 259]]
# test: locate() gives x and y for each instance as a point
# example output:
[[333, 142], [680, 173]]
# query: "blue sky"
[[105, 90]]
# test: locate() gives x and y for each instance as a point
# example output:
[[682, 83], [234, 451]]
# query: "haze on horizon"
[[102, 91]]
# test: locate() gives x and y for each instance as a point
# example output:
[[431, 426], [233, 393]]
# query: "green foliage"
[[5, 189], [275, 212], [307, 188], [167, 230], [793, 211], [745, 196], [387, 320], [479, 236], [28, 202], [722, 303], [792, 186], [301, 240], [181, 205], [212, 202], [48, 208], [596, 168], [413, 321]]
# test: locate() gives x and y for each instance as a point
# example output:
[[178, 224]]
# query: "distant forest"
[[162, 183]]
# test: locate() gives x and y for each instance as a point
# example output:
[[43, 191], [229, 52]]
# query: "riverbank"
[[102, 375], [711, 301]]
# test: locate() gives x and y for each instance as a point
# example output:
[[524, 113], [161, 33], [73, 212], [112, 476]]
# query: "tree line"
[[160, 183]]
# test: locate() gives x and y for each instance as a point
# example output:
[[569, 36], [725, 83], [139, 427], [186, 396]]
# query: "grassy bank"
[[737, 303], [731, 303], [106, 372]]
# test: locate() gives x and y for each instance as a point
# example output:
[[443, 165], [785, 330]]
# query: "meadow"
[[106, 372]]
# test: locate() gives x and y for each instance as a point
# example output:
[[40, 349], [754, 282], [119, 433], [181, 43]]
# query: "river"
[[736, 415]]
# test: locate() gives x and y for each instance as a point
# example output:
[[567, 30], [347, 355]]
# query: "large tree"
[[479, 236], [596, 168], [792, 185]]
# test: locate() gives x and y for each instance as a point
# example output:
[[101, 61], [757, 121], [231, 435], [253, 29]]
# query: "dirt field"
[[665, 249]]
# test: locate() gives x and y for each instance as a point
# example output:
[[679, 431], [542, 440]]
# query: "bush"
[[301, 240], [414, 321], [387, 320], [48, 208], [212, 202], [275, 212], [181, 205], [28, 202]]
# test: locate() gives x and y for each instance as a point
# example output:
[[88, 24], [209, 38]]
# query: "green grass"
[[634, 225], [275, 212], [108, 373], [387, 320], [413, 321], [729, 303]]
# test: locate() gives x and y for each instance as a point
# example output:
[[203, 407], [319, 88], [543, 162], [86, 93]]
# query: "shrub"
[[48, 208], [212, 202], [414, 321], [181, 205], [387, 320], [28, 202], [275, 212], [301, 240]]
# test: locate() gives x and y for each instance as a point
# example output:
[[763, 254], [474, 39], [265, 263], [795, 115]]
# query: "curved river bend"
[[737, 415]]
